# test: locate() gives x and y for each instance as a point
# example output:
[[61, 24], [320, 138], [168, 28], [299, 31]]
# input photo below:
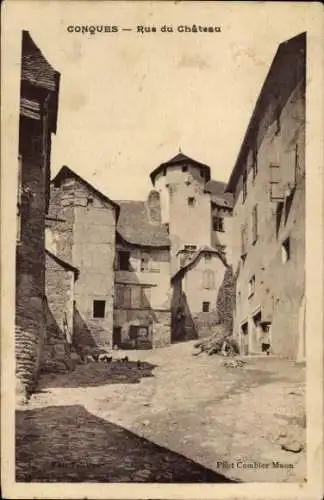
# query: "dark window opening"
[[89, 201], [202, 173], [99, 308], [251, 286], [243, 241], [218, 224], [123, 261], [288, 204], [285, 250], [205, 307], [254, 224], [164, 171], [191, 201], [279, 210], [184, 168]]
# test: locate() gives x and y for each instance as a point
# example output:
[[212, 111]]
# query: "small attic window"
[[191, 201], [89, 201], [202, 173], [164, 171], [184, 168]]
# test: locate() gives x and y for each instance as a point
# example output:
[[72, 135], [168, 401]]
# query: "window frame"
[[204, 304], [97, 303], [219, 227], [255, 234], [119, 260]]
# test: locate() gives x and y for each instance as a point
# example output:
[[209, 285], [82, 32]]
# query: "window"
[[251, 289], [99, 308], [205, 307], [218, 224], [243, 241], [254, 224], [123, 261], [145, 297], [285, 251], [123, 296], [184, 168], [191, 201], [276, 193], [164, 171], [202, 173], [89, 201], [209, 279], [244, 185], [191, 248]]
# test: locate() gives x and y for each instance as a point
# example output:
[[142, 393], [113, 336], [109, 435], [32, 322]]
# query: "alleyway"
[[177, 418]]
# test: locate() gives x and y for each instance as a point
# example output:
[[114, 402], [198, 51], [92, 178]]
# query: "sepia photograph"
[[160, 249]]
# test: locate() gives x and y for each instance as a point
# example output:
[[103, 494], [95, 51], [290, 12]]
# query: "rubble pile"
[[218, 343]]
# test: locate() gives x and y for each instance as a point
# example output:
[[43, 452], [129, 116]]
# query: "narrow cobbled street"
[[172, 418]]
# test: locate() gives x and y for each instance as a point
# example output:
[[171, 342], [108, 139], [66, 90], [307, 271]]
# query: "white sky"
[[128, 101]]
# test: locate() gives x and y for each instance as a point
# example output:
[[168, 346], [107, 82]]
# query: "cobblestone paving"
[[174, 418]]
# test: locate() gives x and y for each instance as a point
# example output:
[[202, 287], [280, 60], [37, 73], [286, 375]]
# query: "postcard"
[[162, 250]]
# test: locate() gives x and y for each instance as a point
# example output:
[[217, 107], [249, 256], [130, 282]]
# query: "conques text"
[[182, 28]]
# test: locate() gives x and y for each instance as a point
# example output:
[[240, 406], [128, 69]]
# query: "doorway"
[[245, 339], [116, 336], [257, 333]]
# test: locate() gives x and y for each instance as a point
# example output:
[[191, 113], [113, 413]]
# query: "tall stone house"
[[268, 185], [39, 92], [82, 233]]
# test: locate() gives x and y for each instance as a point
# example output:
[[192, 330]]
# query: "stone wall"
[[85, 237], [30, 269], [226, 300], [59, 287]]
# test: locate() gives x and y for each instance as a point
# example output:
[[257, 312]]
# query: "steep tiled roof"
[[218, 195], [134, 225], [35, 68], [179, 159]]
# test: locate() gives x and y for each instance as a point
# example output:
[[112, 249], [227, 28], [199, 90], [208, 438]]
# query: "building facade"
[[142, 315], [39, 93], [268, 184], [82, 234]]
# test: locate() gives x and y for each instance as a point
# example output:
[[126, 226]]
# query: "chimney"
[[154, 206]]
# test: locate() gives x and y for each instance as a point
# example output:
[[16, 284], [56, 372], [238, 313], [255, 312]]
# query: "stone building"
[[142, 316], [268, 184], [39, 93], [82, 233], [197, 215]]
